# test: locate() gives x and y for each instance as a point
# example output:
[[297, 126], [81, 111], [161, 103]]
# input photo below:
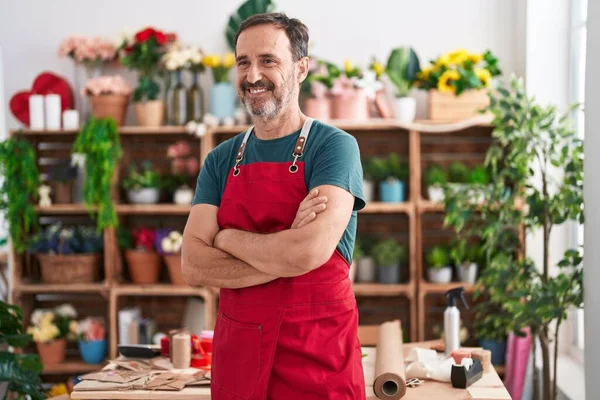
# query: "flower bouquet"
[[222, 94], [169, 244], [92, 340], [184, 169], [142, 259], [109, 96], [350, 101], [143, 52], [50, 330]]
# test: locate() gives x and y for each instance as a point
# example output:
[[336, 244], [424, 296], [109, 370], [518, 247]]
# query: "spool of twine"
[[182, 351]]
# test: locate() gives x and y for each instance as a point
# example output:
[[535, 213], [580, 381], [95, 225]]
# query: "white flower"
[[211, 120], [369, 84], [36, 317], [78, 160], [228, 121], [167, 245], [174, 235], [124, 37], [201, 129], [66, 310], [191, 126]]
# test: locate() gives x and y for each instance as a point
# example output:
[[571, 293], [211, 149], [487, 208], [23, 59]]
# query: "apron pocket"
[[236, 356]]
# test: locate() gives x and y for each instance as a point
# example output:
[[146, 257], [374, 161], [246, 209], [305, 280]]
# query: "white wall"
[[31, 30]]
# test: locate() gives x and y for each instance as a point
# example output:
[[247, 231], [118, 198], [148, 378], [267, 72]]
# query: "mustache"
[[262, 84]]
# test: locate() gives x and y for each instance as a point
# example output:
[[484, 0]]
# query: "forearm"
[[204, 265]]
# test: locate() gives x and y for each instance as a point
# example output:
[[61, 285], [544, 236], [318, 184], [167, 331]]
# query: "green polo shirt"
[[331, 157]]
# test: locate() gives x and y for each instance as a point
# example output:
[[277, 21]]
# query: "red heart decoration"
[[44, 83]]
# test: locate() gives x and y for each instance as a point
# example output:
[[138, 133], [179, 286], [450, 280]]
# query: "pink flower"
[[318, 89], [172, 151], [83, 49], [342, 86], [178, 166], [107, 85], [192, 166], [183, 148]]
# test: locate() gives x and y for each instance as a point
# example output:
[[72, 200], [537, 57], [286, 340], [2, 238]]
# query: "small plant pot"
[[498, 349], [366, 270], [318, 108], [467, 273], [389, 274], [149, 113], [368, 190], [391, 191], [144, 196], [405, 109], [352, 106], [110, 105], [440, 275], [93, 351], [183, 196], [436, 194], [52, 352], [173, 262], [144, 266]]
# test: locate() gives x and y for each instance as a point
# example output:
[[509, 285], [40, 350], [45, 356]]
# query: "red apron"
[[292, 338]]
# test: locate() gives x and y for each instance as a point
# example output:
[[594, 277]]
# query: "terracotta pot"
[[110, 105], [149, 113], [144, 266], [318, 108], [354, 106], [53, 352], [173, 262]]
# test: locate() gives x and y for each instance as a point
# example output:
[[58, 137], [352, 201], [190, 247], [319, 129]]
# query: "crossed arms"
[[235, 259]]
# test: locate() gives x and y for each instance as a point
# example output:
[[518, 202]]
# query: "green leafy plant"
[[436, 175], [388, 253], [396, 168], [458, 172], [462, 252], [382, 168], [402, 69], [19, 191], [438, 257], [20, 371], [147, 177], [246, 10], [98, 147], [357, 252], [479, 176], [527, 136]]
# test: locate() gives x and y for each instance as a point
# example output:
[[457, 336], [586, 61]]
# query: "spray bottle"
[[452, 319]]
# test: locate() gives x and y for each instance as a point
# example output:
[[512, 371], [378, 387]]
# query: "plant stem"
[[554, 393], [536, 381], [546, 386]]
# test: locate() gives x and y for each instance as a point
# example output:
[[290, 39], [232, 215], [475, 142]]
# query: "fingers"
[[309, 218], [307, 204]]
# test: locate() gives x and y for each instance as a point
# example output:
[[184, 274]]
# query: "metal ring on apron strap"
[[294, 168]]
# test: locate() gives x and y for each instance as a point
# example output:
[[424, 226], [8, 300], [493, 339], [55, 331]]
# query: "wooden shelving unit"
[[419, 143], [70, 367]]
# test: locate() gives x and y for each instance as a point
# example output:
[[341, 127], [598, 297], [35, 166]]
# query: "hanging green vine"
[[99, 142], [19, 189]]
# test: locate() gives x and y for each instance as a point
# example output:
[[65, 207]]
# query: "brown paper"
[[390, 378]]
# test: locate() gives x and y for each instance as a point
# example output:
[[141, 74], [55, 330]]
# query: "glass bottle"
[[195, 99], [176, 100]]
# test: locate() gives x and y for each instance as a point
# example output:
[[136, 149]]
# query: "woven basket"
[[71, 268]]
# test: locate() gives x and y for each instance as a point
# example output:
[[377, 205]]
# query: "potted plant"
[[109, 96], [91, 340], [391, 173], [184, 169], [402, 69], [388, 255], [349, 101], [438, 261], [466, 259], [50, 330], [222, 93], [478, 179], [436, 177], [169, 245], [457, 83], [20, 373], [458, 177], [142, 53], [491, 329], [143, 187], [142, 259], [19, 196], [316, 86], [366, 270], [96, 151], [69, 254]]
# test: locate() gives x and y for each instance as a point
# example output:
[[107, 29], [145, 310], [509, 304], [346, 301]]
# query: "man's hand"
[[309, 208]]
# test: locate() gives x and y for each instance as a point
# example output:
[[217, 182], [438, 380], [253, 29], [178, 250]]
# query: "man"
[[273, 225]]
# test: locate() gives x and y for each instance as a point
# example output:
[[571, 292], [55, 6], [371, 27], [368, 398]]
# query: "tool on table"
[[452, 319], [464, 375]]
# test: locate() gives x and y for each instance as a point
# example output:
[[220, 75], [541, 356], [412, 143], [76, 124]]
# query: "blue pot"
[[498, 349], [391, 191], [93, 352], [222, 100]]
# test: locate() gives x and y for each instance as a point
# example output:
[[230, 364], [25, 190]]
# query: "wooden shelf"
[[429, 206], [158, 290], [379, 289], [153, 209], [123, 130], [387, 208], [71, 367], [427, 287], [61, 288], [62, 209]]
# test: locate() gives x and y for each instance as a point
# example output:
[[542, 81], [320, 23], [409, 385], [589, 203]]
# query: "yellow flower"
[[445, 82], [484, 76], [443, 61], [229, 60], [458, 56], [378, 68], [73, 326], [348, 67], [212, 61], [47, 319], [58, 390], [424, 74], [476, 58]]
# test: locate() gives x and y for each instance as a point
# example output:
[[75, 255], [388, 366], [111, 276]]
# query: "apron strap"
[[240, 154]]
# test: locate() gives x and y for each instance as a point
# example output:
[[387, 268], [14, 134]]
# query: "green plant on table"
[[438, 258], [397, 168], [19, 191], [462, 252], [402, 69], [436, 176], [144, 178], [388, 253], [458, 172], [20, 371], [97, 148], [479, 176], [527, 134]]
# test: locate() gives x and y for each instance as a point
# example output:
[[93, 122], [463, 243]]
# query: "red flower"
[[161, 38], [128, 49], [144, 237], [171, 37], [144, 35]]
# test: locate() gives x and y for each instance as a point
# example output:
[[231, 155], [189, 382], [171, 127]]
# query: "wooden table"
[[489, 387]]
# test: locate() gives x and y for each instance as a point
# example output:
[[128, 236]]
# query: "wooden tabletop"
[[489, 387]]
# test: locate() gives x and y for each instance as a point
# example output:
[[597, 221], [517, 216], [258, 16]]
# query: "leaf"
[[246, 10]]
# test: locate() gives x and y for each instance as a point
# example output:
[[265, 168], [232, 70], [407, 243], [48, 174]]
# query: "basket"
[[69, 268]]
